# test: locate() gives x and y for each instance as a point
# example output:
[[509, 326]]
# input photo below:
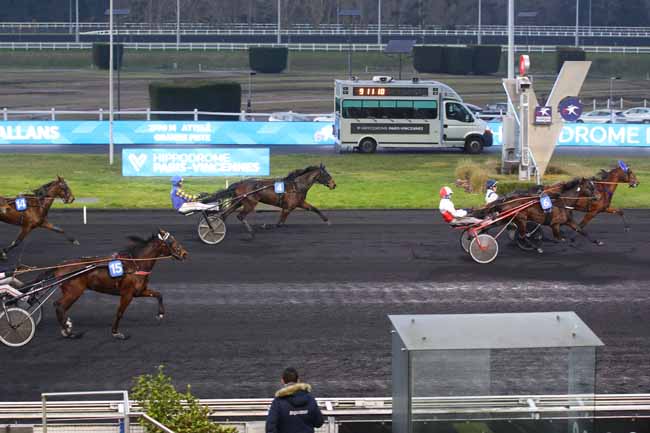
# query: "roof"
[[494, 331]]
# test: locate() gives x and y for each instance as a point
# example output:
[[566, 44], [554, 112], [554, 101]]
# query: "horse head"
[[623, 173], [58, 188], [324, 178], [171, 246]]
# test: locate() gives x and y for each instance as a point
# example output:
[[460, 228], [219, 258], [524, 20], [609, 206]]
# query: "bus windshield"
[[389, 109]]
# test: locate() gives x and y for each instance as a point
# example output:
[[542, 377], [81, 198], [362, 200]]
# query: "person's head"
[[177, 181], [445, 192], [290, 375], [491, 184]]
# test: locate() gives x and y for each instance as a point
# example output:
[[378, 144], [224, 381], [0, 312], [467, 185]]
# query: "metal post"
[[279, 21], [70, 17], [609, 101], [511, 40], [127, 424], [479, 23], [590, 16], [379, 22], [110, 82], [44, 422], [577, 20], [76, 36], [178, 25]]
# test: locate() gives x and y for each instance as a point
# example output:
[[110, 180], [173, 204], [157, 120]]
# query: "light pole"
[[577, 20], [379, 22], [279, 21], [178, 25], [76, 36], [511, 41], [250, 91], [110, 82], [611, 96], [479, 23]]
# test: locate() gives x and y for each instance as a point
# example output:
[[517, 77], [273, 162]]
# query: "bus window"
[[426, 109], [337, 105], [388, 109], [371, 109], [404, 110], [456, 111], [352, 109]]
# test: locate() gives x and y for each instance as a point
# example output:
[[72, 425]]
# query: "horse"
[[247, 193], [606, 183], [137, 263], [562, 196], [38, 206]]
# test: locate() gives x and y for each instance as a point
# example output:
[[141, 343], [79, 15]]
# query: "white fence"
[[234, 46]]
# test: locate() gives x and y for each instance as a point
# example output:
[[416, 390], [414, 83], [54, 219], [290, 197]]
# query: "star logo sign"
[[570, 108], [545, 111]]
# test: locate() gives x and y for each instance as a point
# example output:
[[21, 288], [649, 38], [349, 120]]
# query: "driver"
[[10, 284], [449, 212], [179, 196], [491, 191]]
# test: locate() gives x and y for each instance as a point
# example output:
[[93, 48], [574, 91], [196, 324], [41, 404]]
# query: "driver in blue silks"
[[179, 196]]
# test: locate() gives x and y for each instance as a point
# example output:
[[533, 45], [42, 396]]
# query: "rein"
[[609, 183], [92, 262]]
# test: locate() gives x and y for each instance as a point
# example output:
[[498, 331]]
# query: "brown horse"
[[38, 206], [246, 194], [563, 196], [137, 263], [606, 183]]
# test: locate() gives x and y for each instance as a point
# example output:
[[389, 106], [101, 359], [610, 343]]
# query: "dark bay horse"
[[38, 206], [138, 261], [253, 191], [606, 183]]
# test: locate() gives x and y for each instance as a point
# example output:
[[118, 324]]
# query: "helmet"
[[491, 183], [176, 180], [445, 192]]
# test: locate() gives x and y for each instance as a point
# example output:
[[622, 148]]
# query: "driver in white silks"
[[10, 284], [449, 212], [491, 191]]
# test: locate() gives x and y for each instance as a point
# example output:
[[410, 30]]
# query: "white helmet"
[[445, 192]]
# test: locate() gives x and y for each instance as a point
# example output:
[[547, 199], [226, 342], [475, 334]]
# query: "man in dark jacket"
[[293, 410]]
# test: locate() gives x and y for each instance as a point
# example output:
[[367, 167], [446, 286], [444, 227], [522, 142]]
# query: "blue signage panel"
[[195, 162], [594, 134], [167, 132]]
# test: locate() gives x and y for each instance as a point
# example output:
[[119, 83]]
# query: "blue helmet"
[[176, 180], [491, 183]]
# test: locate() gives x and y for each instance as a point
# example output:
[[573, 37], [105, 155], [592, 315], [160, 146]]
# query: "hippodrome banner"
[[263, 133], [195, 162], [167, 132]]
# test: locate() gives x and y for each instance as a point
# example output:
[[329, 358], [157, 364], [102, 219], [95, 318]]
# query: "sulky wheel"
[[16, 327], [483, 248], [211, 233], [33, 306], [533, 239], [465, 240]]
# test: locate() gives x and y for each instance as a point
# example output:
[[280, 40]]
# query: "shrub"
[[568, 53], [508, 186], [215, 96], [101, 55], [477, 179], [427, 59], [465, 167], [486, 59], [457, 60], [180, 412], [268, 60]]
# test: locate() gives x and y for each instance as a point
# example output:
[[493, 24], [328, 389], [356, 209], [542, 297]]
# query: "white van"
[[388, 113]]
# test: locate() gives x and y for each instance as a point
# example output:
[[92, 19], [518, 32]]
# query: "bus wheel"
[[473, 145], [367, 145]]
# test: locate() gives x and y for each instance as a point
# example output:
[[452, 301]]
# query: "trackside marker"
[[85, 220]]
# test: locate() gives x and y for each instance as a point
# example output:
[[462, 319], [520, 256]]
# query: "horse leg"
[[249, 206], [580, 230], [283, 217], [125, 300], [312, 208], [24, 231], [71, 293], [620, 213], [48, 225], [150, 293], [587, 219]]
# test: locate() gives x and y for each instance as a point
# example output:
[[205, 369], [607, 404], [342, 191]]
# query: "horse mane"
[[137, 245], [573, 183], [299, 172], [42, 190]]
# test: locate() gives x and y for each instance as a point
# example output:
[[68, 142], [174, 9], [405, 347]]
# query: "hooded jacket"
[[294, 410]]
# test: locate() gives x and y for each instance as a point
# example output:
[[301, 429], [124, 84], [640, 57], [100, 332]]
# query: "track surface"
[[317, 296]]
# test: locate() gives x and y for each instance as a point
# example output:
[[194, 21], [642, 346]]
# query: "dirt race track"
[[316, 297]]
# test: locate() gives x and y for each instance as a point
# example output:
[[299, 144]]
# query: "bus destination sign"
[[390, 91]]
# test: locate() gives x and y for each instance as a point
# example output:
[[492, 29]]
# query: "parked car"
[[325, 118], [494, 111], [601, 116], [637, 115], [475, 109]]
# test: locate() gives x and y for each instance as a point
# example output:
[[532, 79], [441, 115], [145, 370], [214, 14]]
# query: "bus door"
[[458, 121]]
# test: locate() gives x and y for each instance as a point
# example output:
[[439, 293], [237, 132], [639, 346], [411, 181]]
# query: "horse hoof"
[[328, 222], [3, 256], [120, 336], [66, 333], [540, 251], [159, 317], [75, 242], [599, 243]]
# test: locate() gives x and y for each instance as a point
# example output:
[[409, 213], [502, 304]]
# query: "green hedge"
[[568, 53], [506, 186], [221, 96], [101, 55], [457, 60], [268, 60], [427, 59], [486, 59]]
